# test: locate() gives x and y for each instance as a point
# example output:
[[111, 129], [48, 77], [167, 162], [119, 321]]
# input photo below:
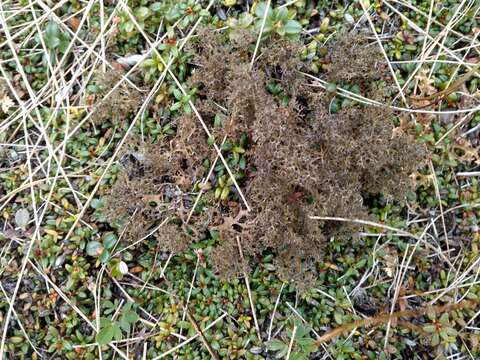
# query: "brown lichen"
[[120, 103], [155, 187], [308, 162], [304, 160], [353, 59]]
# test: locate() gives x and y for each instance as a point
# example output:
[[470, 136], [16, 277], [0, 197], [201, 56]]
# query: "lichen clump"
[[114, 102], [303, 161]]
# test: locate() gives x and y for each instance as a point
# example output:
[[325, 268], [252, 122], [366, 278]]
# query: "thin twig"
[[257, 45], [468, 173], [274, 311], [383, 318], [439, 199], [386, 227], [290, 345], [183, 343], [252, 305], [202, 335]]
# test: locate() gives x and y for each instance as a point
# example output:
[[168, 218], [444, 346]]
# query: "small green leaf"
[[211, 140], [298, 356], [53, 331], [187, 109], [141, 12], [444, 319], [218, 192], [109, 240], [227, 146], [238, 149], [293, 27], [149, 63], [184, 324], [117, 332], [307, 344], [204, 13], [280, 30], [94, 248], [215, 345], [170, 32], [245, 20], [261, 8], [302, 331], [97, 203], [64, 43], [17, 339], [52, 42], [236, 158], [242, 163], [229, 3], [225, 192], [361, 264], [267, 29], [105, 335], [129, 26], [324, 25], [431, 314], [331, 87], [366, 3], [52, 35], [176, 106], [217, 122], [243, 140], [156, 6], [451, 331], [22, 216], [178, 94], [52, 29], [104, 256], [275, 345], [281, 13], [429, 328], [108, 331], [282, 353], [128, 317], [338, 318]]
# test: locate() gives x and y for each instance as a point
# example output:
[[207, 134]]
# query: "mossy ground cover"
[[239, 179]]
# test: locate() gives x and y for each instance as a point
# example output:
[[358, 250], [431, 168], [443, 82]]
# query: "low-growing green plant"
[[441, 330], [44, 319], [55, 40], [278, 20], [112, 330], [297, 340]]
